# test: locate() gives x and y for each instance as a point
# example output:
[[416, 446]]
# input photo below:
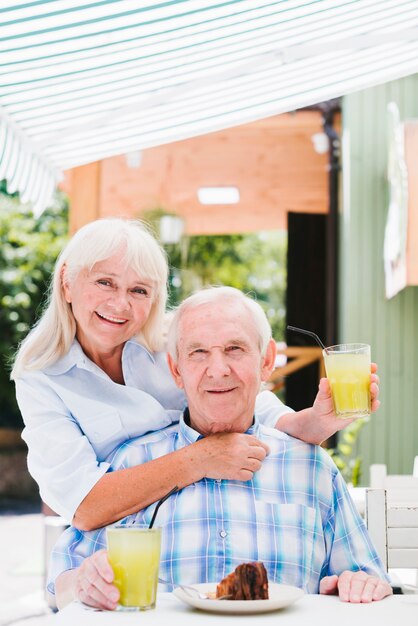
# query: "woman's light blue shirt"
[[75, 415]]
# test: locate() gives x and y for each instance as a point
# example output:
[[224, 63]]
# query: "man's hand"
[[319, 422], [232, 456], [93, 582], [355, 587]]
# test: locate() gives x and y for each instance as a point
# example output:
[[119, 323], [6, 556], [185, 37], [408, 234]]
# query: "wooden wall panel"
[[272, 162], [83, 185]]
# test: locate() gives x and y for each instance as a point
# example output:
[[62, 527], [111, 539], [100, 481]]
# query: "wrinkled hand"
[[374, 388], [232, 456], [93, 582], [320, 422], [355, 587], [324, 409]]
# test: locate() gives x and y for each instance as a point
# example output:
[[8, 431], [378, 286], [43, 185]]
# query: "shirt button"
[[223, 534], [218, 480]]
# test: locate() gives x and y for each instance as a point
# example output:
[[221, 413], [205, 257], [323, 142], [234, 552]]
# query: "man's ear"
[[174, 371], [64, 284], [269, 360]]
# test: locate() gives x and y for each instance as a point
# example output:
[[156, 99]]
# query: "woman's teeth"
[[115, 320]]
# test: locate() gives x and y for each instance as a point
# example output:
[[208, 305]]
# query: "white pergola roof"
[[82, 81]]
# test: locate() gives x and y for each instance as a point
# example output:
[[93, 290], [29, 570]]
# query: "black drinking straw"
[[310, 333], [170, 493]]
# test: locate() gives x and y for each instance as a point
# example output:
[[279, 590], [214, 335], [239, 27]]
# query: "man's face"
[[220, 366]]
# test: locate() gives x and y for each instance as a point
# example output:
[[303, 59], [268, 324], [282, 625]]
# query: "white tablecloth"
[[313, 610]]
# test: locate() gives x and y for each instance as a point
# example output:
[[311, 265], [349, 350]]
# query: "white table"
[[314, 610]]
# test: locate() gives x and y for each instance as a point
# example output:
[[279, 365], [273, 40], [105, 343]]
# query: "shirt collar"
[[188, 435], [75, 357], [133, 345]]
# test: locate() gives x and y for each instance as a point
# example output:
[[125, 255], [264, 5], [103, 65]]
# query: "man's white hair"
[[217, 294]]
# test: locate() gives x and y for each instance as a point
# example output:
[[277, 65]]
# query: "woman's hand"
[[319, 422], [232, 456], [323, 405], [93, 582], [327, 423]]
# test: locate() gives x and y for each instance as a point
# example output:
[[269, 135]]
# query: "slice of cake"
[[247, 582]]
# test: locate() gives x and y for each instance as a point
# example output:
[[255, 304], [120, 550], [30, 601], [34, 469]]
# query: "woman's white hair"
[[209, 295], [52, 336]]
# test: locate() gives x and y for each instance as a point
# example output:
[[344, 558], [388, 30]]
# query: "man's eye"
[[234, 349], [198, 353]]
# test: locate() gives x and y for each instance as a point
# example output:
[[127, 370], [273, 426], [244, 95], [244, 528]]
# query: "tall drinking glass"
[[134, 554], [348, 370]]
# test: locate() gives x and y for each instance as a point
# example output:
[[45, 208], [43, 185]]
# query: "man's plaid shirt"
[[295, 516]]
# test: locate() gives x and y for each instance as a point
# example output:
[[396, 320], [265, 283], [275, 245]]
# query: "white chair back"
[[393, 528], [400, 487]]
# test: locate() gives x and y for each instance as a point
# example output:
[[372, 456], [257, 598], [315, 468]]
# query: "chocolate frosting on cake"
[[247, 582]]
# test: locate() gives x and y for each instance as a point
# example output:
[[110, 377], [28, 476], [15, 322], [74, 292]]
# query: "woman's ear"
[[65, 286]]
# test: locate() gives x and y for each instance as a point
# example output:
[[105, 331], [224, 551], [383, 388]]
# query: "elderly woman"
[[91, 375]]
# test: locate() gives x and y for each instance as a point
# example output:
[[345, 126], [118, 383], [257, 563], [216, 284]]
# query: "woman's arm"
[[232, 456], [77, 486]]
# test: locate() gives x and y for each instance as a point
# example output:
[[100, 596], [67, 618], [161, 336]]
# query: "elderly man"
[[295, 514]]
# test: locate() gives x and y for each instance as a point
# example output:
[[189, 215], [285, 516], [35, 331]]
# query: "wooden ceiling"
[[272, 162]]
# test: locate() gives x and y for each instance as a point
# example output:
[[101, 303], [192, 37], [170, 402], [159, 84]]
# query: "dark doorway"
[[306, 300]]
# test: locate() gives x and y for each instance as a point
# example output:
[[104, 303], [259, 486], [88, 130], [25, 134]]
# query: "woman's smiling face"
[[110, 304]]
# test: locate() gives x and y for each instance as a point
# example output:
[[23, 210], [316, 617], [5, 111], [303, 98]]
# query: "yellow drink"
[[134, 554], [348, 371]]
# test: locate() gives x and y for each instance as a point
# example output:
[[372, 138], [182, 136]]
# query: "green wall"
[[390, 326]]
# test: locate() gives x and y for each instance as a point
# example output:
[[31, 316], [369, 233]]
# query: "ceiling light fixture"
[[218, 195]]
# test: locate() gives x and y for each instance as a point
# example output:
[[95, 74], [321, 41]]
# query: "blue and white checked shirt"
[[295, 515]]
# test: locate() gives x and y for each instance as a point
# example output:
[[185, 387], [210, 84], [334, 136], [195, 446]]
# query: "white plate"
[[280, 596]]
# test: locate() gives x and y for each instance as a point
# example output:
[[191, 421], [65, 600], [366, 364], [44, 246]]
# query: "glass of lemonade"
[[134, 554], [348, 370]]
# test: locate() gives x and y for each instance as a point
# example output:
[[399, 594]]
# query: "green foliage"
[[254, 263], [29, 247], [343, 454]]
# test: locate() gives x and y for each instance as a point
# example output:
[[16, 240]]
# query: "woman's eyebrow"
[[143, 283], [139, 281], [103, 272]]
